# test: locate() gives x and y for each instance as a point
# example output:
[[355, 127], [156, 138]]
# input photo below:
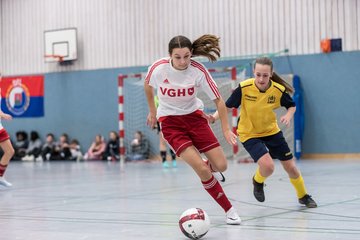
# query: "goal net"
[[135, 114]]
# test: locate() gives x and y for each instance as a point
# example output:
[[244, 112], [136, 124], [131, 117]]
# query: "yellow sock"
[[299, 186], [258, 178]]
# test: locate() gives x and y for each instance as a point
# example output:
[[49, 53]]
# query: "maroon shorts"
[[188, 130], [4, 135]]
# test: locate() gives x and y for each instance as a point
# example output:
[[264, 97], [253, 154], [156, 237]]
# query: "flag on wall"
[[23, 96]]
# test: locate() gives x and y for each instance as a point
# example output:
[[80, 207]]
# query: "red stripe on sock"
[[213, 187]]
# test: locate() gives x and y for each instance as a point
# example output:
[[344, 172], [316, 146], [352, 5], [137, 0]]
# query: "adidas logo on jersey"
[[166, 81]]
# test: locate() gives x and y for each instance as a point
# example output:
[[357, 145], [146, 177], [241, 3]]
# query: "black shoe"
[[308, 201], [259, 191]]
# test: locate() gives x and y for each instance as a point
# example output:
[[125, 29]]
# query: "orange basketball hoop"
[[58, 58]]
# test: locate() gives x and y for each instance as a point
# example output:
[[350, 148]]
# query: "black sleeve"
[[286, 100], [234, 100], [107, 149]]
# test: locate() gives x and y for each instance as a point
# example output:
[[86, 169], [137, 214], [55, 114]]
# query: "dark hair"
[[275, 77], [50, 135], [34, 135], [207, 46], [23, 134], [65, 136], [140, 134], [115, 133]]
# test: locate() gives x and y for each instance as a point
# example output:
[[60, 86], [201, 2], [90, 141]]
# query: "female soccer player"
[[258, 129], [184, 125], [7, 148]]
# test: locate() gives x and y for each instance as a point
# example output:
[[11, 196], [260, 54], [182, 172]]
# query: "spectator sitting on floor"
[[48, 149], [139, 147], [20, 145], [62, 149], [97, 149], [112, 147], [34, 149], [75, 150]]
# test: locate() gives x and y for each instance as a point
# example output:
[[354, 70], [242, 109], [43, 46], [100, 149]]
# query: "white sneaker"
[[232, 217], [31, 158], [5, 183], [26, 158]]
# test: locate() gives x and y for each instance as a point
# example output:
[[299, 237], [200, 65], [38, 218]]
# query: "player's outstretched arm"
[[151, 118], [215, 116], [286, 119], [222, 114]]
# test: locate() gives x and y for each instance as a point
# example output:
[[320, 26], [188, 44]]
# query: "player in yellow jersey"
[[258, 130]]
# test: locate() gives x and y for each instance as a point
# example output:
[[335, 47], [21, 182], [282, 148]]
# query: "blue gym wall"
[[85, 103], [332, 101]]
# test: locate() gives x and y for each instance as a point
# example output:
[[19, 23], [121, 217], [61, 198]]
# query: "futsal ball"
[[194, 223]]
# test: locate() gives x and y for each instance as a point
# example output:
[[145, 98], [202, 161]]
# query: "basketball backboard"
[[62, 44]]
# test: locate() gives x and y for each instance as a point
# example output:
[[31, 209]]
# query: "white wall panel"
[[312, 44], [341, 25], [303, 33], [287, 24], [271, 21], [121, 33], [278, 36], [351, 24], [240, 32], [254, 32]]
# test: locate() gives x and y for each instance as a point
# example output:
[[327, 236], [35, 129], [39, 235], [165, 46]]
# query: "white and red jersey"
[[177, 89]]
